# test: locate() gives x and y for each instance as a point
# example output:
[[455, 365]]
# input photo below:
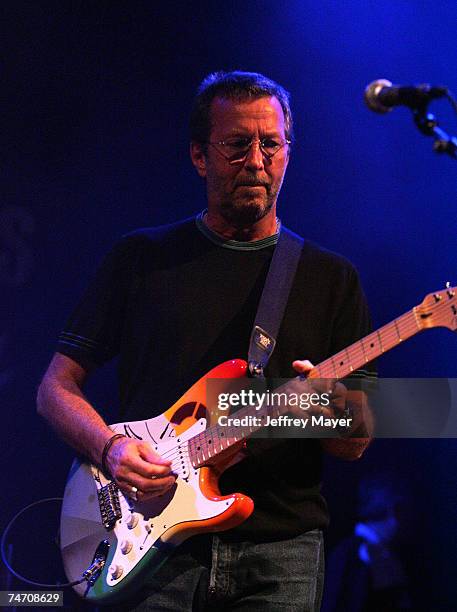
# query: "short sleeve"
[[93, 332]]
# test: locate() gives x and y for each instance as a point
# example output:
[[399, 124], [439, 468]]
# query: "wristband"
[[106, 448]]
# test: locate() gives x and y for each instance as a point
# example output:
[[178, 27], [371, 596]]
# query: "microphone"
[[381, 96]]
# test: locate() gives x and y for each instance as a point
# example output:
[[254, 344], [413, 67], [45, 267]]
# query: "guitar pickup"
[[181, 464]]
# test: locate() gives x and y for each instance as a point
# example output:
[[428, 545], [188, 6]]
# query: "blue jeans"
[[206, 574]]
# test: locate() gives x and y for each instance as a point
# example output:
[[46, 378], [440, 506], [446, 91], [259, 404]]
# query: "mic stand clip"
[[427, 123]]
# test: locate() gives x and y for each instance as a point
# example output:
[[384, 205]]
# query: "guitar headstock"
[[439, 309]]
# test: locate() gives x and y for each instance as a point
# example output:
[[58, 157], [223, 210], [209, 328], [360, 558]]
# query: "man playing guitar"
[[171, 303]]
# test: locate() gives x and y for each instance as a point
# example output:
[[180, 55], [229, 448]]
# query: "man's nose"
[[254, 158]]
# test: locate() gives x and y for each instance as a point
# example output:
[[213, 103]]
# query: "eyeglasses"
[[236, 149]]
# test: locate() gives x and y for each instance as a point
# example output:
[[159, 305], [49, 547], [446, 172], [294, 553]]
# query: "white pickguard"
[[144, 525]]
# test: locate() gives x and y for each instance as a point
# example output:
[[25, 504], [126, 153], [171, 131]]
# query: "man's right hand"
[[133, 463]]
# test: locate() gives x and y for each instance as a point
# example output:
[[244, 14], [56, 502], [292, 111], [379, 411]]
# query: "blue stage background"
[[96, 97]]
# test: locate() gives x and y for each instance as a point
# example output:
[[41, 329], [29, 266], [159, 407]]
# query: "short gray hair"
[[235, 85]]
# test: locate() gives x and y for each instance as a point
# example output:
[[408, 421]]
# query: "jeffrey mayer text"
[[284, 421]]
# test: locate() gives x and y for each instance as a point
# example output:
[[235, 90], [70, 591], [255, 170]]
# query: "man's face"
[[243, 192]]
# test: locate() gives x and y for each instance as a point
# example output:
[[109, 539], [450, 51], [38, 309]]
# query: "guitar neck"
[[368, 348], [217, 439]]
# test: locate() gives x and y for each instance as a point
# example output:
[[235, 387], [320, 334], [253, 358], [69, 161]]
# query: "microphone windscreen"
[[371, 96]]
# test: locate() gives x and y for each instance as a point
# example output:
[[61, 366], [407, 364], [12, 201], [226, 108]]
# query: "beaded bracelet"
[[106, 448]]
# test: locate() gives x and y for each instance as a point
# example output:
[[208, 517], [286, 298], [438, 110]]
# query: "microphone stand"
[[427, 123]]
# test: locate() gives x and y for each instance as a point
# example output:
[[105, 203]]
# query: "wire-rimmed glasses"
[[236, 149]]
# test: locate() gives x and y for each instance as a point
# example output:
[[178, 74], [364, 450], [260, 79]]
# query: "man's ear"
[[198, 158]]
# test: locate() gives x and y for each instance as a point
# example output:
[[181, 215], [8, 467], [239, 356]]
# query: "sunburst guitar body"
[[139, 537]]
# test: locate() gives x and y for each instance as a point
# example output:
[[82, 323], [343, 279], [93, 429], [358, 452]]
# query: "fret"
[[349, 360], [341, 364], [395, 332], [220, 439], [371, 347], [208, 452], [416, 318], [334, 367], [224, 441], [380, 341], [195, 452], [201, 449], [219, 447], [407, 323], [326, 370], [404, 326], [398, 330], [195, 449]]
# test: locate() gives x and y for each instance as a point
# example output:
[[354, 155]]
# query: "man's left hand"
[[348, 448], [336, 390]]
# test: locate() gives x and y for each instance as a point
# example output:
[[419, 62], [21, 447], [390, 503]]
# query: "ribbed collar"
[[238, 245]]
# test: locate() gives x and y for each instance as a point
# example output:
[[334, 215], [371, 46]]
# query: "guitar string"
[[388, 333], [386, 338]]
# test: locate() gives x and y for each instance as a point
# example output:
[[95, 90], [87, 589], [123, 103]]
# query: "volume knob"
[[126, 546], [132, 521], [116, 571]]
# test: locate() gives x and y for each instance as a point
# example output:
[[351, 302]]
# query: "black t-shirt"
[[175, 301]]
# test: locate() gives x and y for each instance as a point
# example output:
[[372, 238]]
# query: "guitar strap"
[[273, 301]]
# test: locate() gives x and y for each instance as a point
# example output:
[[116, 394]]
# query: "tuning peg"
[[449, 292]]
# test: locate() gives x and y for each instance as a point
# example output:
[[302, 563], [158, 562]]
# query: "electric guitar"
[[118, 541]]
